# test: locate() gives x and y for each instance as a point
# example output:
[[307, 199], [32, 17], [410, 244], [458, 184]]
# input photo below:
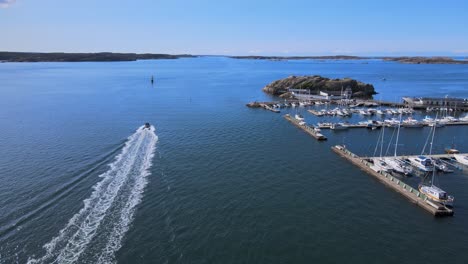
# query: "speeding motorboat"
[[147, 125]]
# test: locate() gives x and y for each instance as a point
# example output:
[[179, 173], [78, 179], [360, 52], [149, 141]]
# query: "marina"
[[395, 184]]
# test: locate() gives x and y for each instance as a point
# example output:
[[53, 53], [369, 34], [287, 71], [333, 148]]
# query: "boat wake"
[[95, 233]]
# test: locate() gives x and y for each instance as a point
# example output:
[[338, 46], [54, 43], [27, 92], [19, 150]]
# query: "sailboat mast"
[[397, 135], [430, 153], [381, 143]]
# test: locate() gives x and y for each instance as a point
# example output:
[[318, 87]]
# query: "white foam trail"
[[124, 181]]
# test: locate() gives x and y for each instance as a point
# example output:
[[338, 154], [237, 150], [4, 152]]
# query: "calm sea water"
[[216, 182]]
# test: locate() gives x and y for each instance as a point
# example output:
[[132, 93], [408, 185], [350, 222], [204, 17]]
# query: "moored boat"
[[463, 159], [422, 162]]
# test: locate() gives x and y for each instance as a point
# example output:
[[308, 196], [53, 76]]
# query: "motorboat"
[[441, 166], [338, 126], [380, 165], [463, 159], [398, 166], [410, 122], [147, 126], [299, 117], [422, 162]]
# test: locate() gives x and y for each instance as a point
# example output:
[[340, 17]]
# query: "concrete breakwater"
[[302, 125], [395, 184]]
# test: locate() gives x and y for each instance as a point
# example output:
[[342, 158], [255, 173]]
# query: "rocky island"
[[335, 57], [316, 84], [426, 60], [80, 57]]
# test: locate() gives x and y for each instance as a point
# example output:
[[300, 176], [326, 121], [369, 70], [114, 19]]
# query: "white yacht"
[[398, 165], [463, 159], [299, 117], [422, 162], [410, 122], [464, 119], [380, 165], [338, 126]]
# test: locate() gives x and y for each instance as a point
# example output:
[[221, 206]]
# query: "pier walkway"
[[309, 130]]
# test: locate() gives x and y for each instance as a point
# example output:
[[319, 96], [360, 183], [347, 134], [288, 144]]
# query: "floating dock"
[[309, 130], [395, 184]]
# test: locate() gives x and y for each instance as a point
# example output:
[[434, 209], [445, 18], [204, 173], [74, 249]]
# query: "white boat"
[[464, 119], [436, 124], [398, 165], [338, 126], [302, 104], [299, 117], [410, 122], [428, 119], [364, 113], [324, 125], [380, 165], [422, 162], [433, 192], [437, 194], [392, 122], [379, 112], [463, 159]]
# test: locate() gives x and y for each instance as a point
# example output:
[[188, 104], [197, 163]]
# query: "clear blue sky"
[[237, 27]]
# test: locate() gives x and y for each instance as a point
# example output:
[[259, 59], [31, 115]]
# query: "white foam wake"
[[108, 212]]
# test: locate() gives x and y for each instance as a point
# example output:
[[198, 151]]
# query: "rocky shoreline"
[[426, 60], [316, 84], [406, 59]]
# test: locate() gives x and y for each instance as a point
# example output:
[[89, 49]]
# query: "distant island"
[[316, 84], [81, 57], [426, 60], [336, 57], [407, 59]]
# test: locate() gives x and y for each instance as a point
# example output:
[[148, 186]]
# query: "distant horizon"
[[257, 55]]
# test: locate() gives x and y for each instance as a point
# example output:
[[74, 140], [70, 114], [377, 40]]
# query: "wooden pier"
[[309, 130], [395, 184]]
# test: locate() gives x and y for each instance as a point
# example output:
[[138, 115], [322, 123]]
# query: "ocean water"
[[213, 181]]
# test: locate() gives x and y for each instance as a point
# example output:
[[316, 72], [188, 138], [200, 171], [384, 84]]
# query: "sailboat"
[[432, 191], [299, 117], [395, 163], [380, 165]]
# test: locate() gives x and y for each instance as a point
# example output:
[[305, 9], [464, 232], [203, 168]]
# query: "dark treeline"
[[77, 57]]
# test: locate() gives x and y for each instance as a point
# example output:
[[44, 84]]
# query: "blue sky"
[[237, 27]]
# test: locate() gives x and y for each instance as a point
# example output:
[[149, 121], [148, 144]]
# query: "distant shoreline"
[[83, 57], [403, 59], [7, 56]]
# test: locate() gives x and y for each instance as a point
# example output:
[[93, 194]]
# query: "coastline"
[[83, 57]]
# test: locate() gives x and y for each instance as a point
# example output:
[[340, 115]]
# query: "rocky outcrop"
[[426, 60], [318, 83]]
